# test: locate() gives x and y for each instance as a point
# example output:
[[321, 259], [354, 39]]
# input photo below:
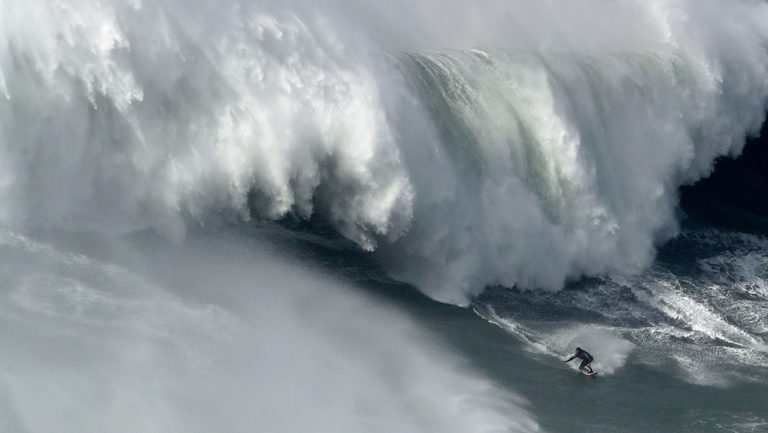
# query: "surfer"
[[586, 359]]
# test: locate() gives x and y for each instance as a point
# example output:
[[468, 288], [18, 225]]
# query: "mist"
[[219, 334]]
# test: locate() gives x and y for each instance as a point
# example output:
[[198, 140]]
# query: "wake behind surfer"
[[586, 359]]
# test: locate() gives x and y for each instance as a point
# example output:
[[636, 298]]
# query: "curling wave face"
[[502, 154]]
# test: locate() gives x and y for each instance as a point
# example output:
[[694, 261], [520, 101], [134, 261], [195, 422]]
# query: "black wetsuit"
[[585, 357]]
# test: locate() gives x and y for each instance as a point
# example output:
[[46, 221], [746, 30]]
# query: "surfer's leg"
[[589, 366], [582, 365]]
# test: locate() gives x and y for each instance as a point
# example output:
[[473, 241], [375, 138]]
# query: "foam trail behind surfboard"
[[606, 344]]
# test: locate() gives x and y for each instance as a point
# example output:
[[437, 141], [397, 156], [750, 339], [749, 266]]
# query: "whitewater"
[[221, 215]]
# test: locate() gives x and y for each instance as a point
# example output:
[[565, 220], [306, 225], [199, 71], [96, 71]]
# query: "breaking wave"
[[502, 154]]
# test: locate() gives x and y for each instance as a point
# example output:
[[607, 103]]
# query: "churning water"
[[219, 215]]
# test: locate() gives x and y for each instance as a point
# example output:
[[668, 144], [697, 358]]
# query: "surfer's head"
[[578, 349]]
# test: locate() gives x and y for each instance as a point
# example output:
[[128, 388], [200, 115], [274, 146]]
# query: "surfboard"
[[591, 374]]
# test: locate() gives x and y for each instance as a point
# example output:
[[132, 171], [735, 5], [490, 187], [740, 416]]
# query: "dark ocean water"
[[682, 347], [718, 264]]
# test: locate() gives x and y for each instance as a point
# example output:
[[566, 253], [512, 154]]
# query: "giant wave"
[[533, 146]]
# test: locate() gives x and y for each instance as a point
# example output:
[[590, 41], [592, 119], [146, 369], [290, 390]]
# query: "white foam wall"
[[580, 122]]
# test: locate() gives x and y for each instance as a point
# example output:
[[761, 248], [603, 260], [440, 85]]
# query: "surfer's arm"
[[569, 359]]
